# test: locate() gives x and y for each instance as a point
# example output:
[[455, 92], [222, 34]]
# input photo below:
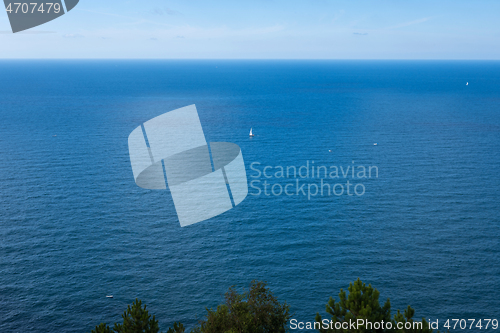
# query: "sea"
[[423, 228]]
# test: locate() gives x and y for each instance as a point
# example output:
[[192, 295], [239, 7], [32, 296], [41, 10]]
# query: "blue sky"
[[272, 29]]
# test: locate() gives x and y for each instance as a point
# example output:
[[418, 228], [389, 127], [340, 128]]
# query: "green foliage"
[[407, 317], [363, 303], [178, 328], [102, 328], [254, 311], [258, 311], [137, 320]]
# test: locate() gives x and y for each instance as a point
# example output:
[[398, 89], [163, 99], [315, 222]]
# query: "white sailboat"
[[251, 134]]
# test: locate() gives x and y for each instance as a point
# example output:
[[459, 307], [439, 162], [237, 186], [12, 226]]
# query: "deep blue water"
[[74, 227]]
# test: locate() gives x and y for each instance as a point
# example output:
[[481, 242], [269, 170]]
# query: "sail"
[[251, 132]]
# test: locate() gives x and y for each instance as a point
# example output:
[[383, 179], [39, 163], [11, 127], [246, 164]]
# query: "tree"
[[254, 311], [363, 303], [407, 317], [137, 319], [259, 311], [178, 328], [102, 328]]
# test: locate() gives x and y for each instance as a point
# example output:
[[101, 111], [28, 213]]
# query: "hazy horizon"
[[320, 29]]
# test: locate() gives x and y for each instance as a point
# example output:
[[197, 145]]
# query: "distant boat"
[[251, 134], [374, 144], [109, 296], [467, 84]]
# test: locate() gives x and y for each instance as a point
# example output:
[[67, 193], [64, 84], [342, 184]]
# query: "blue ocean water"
[[74, 227]]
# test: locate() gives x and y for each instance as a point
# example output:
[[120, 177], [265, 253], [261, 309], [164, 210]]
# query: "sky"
[[258, 29]]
